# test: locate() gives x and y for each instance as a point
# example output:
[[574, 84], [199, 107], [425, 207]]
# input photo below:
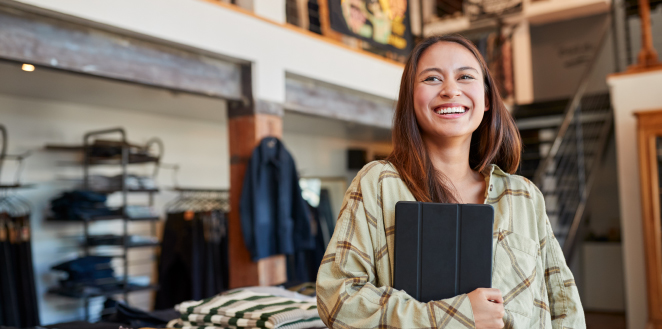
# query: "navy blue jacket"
[[274, 216]]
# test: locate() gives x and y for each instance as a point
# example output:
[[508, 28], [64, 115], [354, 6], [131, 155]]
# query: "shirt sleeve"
[[348, 295], [565, 307]]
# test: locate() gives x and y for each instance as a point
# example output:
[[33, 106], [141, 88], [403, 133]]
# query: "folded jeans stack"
[[247, 309], [90, 274], [118, 240], [105, 149], [114, 183], [80, 205], [93, 276]]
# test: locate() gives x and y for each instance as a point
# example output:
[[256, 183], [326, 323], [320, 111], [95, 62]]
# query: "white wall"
[[602, 204], [270, 9], [630, 93], [321, 156], [561, 52], [330, 157], [273, 48]]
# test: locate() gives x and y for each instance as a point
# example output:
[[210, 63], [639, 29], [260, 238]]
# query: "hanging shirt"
[[355, 280], [274, 215]]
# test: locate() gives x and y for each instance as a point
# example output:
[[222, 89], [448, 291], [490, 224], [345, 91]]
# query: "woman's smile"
[[450, 110]]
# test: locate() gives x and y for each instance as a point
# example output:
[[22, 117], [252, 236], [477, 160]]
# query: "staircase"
[[579, 153], [564, 141]]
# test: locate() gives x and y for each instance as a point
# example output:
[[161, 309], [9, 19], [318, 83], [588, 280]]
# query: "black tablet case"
[[442, 250]]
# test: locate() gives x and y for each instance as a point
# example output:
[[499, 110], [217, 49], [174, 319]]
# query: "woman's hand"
[[487, 305]]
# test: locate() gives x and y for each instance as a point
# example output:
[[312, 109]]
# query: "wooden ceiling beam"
[[74, 46]]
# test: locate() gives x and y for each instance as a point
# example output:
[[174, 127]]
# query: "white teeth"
[[447, 110]]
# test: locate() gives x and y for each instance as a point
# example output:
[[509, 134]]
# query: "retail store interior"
[[128, 144]]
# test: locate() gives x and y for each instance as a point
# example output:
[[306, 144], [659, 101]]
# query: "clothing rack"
[[191, 197], [193, 263], [199, 199], [18, 298]]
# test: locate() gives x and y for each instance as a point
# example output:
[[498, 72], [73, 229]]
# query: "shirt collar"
[[488, 172], [270, 149]]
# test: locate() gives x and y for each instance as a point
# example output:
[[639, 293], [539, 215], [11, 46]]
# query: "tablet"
[[442, 250]]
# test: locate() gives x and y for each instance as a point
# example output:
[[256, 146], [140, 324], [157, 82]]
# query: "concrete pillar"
[[522, 64]]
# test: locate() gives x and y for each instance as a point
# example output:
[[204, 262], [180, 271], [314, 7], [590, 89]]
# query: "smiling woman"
[[444, 73], [454, 142], [443, 92]]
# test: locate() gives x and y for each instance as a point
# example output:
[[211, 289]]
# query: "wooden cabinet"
[[649, 127]]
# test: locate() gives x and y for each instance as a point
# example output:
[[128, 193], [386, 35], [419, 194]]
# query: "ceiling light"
[[27, 67]]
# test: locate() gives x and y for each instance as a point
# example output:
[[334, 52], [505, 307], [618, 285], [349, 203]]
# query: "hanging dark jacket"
[[274, 215]]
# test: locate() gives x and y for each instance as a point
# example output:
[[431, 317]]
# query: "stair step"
[[558, 106], [545, 122]]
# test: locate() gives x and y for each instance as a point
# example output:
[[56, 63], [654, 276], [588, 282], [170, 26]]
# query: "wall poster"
[[382, 23]]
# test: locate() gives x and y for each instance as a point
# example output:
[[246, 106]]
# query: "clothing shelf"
[[117, 216], [118, 152], [106, 241], [114, 161], [128, 191], [16, 186], [131, 288]]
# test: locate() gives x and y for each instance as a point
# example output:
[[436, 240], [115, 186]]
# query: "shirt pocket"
[[514, 271]]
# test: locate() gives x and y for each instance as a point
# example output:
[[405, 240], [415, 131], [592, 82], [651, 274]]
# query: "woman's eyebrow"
[[438, 70], [466, 68], [429, 69]]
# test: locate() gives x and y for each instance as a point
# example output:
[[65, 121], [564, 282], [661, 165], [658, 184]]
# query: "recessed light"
[[27, 67]]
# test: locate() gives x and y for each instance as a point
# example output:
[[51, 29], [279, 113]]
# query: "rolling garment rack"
[[124, 160]]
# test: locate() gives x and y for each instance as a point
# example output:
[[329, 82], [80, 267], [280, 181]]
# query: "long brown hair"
[[496, 140]]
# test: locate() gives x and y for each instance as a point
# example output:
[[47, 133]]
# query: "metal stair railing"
[[567, 172]]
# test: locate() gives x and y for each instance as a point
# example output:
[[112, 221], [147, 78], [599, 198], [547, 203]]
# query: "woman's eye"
[[466, 77], [432, 79]]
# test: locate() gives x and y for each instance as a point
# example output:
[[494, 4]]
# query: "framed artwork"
[[382, 23]]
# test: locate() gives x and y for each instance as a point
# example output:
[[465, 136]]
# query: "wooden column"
[[249, 121], [647, 55]]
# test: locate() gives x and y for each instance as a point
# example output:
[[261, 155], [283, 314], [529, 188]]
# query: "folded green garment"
[[300, 324], [247, 309]]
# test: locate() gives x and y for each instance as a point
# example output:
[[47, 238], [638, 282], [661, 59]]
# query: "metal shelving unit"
[[124, 161]]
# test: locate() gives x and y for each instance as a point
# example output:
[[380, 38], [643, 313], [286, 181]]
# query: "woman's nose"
[[449, 89]]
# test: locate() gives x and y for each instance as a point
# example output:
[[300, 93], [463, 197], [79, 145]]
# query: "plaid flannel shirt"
[[355, 277]]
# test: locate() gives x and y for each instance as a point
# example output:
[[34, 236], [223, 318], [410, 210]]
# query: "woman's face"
[[449, 93]]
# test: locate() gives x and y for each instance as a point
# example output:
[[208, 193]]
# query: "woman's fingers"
[[487, 306], [492, 294]]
